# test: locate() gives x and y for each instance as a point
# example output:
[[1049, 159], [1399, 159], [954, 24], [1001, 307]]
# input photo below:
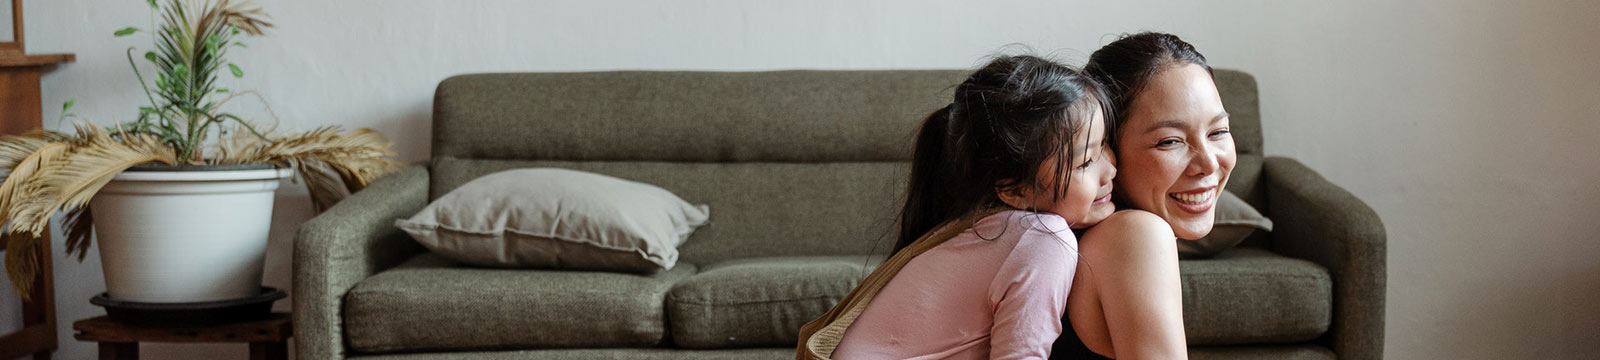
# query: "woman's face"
[[1175, 150]]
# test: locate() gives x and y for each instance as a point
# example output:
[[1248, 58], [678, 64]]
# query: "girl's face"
[[1087, 200], [1176, 149]]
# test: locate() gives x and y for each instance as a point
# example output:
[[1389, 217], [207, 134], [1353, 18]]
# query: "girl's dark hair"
[[1007, 119], [1125, 65]]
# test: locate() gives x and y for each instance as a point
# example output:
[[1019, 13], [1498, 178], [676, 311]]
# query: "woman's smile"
[[1196, 201]]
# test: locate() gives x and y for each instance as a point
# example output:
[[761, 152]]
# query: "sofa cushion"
[[552, 218], [760, 301], [433, 303], [1252, 296]]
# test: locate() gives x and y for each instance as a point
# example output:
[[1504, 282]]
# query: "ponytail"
[[928, 195]]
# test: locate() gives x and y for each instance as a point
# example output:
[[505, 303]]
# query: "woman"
[[1174, 153]]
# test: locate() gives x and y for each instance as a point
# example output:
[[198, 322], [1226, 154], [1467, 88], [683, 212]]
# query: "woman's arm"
[[1129, 276]]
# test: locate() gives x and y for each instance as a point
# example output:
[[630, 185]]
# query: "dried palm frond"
[[333, 165], [23, 154], [25, 168], [244, 15], [79, 223], [64, 175], [13, 148], [22, 263], [323, 183], [73, 179]]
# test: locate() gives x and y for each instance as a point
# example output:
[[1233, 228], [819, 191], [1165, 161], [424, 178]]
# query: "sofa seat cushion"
[[760, 301], [433, 303], [1253, 296]]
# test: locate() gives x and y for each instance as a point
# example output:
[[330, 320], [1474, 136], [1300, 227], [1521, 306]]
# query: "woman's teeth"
[[1192, 199]]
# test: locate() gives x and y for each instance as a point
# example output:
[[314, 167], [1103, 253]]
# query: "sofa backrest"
[[791, 162]]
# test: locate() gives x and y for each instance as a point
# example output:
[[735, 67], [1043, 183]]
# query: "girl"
[[985, 256]]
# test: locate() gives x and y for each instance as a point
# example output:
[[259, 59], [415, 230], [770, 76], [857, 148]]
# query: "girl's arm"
[[1029, 294]]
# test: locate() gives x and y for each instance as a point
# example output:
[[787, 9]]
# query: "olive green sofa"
[[803, 171]]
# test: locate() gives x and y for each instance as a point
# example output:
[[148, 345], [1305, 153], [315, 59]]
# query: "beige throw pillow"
[[557, 219], [1236, 220]]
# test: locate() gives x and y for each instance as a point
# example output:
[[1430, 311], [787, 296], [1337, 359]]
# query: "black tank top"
[[1069, 346]]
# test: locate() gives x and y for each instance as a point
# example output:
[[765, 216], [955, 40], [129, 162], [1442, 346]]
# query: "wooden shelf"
[[20, 111], [35, 60]]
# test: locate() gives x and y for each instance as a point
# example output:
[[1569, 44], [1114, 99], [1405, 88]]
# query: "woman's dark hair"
[[1125, 65], [1007, 118]]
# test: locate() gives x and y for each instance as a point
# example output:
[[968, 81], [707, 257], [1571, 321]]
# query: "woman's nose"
[[1204, 160]]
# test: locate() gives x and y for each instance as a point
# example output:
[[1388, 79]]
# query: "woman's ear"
[[1014, 195]]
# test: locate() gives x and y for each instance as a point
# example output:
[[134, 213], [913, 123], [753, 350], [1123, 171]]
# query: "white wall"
[[1469, 125], [6, 31]]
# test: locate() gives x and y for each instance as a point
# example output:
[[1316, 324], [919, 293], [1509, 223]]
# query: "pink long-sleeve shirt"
[[995, 291]]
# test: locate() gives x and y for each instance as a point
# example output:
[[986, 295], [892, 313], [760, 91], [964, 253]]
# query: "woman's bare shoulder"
[[1131, 222]]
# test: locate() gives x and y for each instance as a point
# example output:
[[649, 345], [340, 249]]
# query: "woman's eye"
[[1168, 143], [1220, 132]]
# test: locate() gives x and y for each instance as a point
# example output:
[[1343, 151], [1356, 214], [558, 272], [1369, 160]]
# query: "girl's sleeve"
[[1029, 294]]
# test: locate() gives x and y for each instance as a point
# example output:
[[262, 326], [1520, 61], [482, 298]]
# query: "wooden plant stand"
[[38, 334], [21, 111], [268, 338]]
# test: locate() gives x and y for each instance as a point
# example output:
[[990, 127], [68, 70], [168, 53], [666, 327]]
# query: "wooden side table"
[[268, 338], [20, 111]]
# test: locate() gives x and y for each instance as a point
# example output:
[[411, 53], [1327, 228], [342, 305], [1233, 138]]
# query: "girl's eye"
[[1085, 164]]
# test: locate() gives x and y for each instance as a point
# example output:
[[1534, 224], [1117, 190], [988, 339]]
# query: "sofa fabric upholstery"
[[344, 245], [760, 301], [757, 209], [434, 303], [782, 116], [796, 165], [1252, 296], [1321, 222]]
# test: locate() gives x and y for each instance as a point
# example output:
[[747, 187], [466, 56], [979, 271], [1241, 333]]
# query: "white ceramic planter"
[[184, 236]]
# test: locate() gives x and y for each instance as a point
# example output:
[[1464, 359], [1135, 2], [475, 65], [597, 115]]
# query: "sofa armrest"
[[345, 244], [1321, 222]]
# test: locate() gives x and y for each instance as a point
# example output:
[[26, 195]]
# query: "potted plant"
[[182, 195]]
